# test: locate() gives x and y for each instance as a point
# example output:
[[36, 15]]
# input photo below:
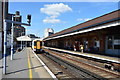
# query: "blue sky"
[[59, 16]]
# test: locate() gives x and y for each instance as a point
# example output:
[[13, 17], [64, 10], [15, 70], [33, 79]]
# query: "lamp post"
[[12, 37], [12, 32], [17, 15], [5, 44]]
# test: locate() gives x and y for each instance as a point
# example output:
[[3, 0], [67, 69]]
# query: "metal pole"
[[15, 22], [22, 45], [21, 41], [26, 43], [5, 44], [12, 49]]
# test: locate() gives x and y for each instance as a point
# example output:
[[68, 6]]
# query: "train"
[[37, 45]]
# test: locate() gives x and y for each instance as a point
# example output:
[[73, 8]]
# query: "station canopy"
[[24, 38]]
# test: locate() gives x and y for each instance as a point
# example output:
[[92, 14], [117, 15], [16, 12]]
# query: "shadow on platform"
[[22, 70]]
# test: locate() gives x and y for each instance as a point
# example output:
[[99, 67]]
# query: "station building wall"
[[94, 41]]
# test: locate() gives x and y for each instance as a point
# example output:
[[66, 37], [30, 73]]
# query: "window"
[[117, 42], [113, 42]]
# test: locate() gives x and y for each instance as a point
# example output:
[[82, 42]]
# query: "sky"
[[59, 15]]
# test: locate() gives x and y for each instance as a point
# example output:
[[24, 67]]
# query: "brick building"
[[18, 29]]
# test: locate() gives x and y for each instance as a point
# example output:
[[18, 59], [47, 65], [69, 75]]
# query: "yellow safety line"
[[30, 70]]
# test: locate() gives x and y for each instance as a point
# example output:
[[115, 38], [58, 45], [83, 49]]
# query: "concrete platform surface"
[[25, 65]]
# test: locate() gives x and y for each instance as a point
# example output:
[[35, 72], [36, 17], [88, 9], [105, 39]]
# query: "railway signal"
[[29, 18]]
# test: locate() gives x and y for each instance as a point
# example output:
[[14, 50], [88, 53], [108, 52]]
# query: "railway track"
[[90, 70], [57, 69], [97, 62], [77, 71]]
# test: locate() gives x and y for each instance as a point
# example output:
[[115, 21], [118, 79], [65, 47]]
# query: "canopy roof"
[[24, 38], [102, 20]]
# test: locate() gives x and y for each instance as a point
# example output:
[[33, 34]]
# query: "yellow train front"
[[37, 45]]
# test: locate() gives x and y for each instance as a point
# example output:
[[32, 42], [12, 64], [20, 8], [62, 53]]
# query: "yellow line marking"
[[30, 70]]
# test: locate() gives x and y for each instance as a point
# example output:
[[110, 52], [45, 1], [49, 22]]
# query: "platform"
[[96, 56], [26, 65]]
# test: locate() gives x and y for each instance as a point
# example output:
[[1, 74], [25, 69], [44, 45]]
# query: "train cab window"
[[40, 43], [35, 43]]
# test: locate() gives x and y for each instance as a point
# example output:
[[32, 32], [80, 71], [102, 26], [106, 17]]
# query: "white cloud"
[[53, 25], [53, 11], [51, 20], [85, 19]]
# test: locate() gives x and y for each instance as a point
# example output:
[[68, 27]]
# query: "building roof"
[[91, 23], [27, 38], [24, 38], [38, 39]]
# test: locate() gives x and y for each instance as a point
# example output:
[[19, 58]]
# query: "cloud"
[[85, 19], [53, 25], [53, 11], [51, 20]]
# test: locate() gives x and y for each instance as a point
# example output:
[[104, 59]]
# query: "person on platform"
[[81, 48]]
